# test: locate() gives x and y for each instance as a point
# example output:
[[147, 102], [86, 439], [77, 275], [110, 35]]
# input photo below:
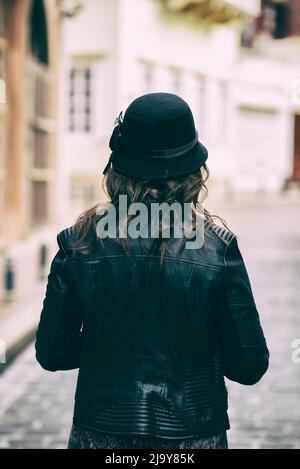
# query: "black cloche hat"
[[156, 139]]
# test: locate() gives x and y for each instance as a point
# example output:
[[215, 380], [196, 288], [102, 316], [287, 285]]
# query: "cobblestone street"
[[36, 406]]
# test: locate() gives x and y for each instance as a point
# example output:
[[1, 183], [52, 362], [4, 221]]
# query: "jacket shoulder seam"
[[62, 238], [115, 256], [221, 232]]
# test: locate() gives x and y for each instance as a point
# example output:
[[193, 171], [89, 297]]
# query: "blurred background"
[[67, 69]]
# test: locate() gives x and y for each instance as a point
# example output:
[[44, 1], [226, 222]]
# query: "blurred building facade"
[[241, 93], [275, 35], [29, 167]]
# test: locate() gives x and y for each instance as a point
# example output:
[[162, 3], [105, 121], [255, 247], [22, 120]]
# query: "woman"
[[152, 323]]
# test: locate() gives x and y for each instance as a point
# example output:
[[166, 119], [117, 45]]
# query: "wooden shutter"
[[41, 127]]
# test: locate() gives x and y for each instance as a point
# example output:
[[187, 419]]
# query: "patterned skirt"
[[86, 439]]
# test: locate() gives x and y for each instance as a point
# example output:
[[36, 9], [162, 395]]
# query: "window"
[[39, 201], [201, 101], [40, 135], [259, 150], [82, 190], [223, 116], [80, 98], [83, 193], [38, 32], [258, 138], [147, 76], [282, 28], [277, 17], [176, 80], [40, 125]]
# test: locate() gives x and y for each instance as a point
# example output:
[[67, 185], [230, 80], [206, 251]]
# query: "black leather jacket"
[[152, 343]]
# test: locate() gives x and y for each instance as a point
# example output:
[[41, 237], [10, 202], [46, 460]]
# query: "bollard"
[[43, 256], [9, 280]]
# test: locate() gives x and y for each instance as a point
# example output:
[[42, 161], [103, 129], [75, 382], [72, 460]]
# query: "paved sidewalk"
[[36, 406], [267, 415], [18, 320]]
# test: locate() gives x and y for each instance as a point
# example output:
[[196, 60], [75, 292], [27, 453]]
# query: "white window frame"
[[176, 79], [260, 139], [147, 76], [82, 64]]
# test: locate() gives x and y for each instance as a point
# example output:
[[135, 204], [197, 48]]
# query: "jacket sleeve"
[[58, 336], [245, 351]]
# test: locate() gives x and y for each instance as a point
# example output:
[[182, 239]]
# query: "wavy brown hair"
[[184, 189]]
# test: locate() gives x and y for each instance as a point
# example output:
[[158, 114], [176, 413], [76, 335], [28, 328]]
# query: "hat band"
[[169, 154]]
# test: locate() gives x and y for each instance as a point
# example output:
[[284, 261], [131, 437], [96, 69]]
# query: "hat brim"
[[161, 168]]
